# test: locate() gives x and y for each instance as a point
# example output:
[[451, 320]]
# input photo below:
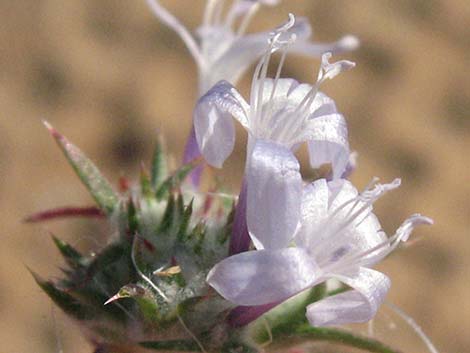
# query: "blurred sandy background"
[[109, 76]]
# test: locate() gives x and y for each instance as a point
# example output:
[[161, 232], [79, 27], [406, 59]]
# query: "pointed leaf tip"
[[65, 301], [70, 254], [94, 181], [159, 165]]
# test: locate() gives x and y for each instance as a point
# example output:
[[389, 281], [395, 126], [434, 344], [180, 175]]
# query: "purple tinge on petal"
[[240, 239], [213, 122], [369, 288], [264, 276], [191, 152], [243, 315], [274, 193]]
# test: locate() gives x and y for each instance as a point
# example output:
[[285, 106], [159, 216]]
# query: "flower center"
[[360, 207], [277, 117]]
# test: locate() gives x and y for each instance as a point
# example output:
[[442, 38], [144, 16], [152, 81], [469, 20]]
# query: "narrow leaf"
[[172, 345], [159, 165], [145, 184], [343, 337], [169, 215], [97, 185], [185, 219], [65, 301], [64, 212], [71, 255], [176, 179]]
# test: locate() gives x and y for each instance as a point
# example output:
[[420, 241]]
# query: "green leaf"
[[65, 301], [282, 319], [144, 298], [145, 184], [71, 255], [185, 219], [174, 180], [159, 166], [342, 337], [172, 345], [97, 185], [168, 216], [132, 220]]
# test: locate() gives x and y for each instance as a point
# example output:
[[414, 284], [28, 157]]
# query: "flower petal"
[[247, 49], [273, 195], [215, 132], [263, 276], [357, 305], [328, 142], [314, 212]]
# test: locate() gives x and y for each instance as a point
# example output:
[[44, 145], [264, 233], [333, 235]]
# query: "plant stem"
[[343, 337]]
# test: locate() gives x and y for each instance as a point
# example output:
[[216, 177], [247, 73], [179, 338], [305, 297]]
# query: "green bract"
[[146, 289]]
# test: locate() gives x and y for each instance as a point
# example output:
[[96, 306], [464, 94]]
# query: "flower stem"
[[343, 337]]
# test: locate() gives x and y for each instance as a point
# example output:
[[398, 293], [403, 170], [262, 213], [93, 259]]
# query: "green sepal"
[[168, 215], [145, 184], [65, 301], [73, 258], [159, 166], [184, 223], [342, 337], [99, 188], [172, 345], [282, 319], [146, 301], [174, 181], [132, 219]]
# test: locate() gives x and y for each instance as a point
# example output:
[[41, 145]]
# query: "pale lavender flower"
[[223, 51], [338, 237], [281, 115]]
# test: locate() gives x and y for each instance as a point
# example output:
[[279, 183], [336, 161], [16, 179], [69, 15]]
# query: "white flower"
[[281, 115], [339, 237], [223, 50]]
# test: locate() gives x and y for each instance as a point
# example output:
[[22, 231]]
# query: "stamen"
[[247, 19], [217, 13], [259, 78], [368, 196], [171, 21], [233, 13], [389, 245], [208, 12]]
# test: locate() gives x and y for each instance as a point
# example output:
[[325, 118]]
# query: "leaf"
[[144, 298], [172, 345], [65, 301], [343, 337], [283, 318], [176, 179], [159, 165], [71, 255], [97, 185], [145, 184], [168, 216], [63, 212], [185, 219]]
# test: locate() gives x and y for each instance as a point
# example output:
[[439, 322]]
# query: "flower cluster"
[[211, 276], [303, 234]]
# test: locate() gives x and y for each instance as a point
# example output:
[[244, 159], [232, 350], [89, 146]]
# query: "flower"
[[339, 237], [223, 50], [281, 115]]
